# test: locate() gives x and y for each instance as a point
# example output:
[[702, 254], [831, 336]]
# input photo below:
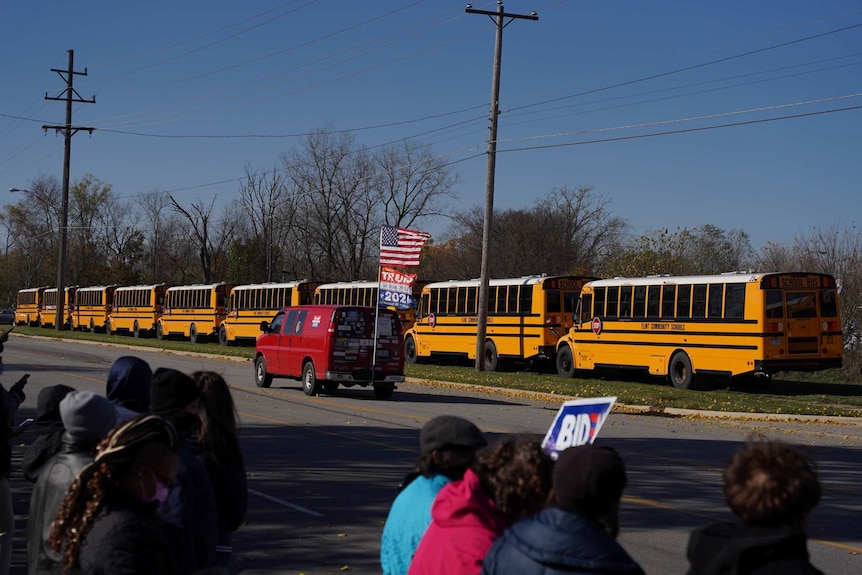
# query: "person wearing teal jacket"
[[448, 445]]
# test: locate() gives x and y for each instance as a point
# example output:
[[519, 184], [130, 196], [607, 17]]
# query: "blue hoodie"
[[129, 383]]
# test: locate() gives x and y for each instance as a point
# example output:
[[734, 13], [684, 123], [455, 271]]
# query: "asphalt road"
[[323, 471]]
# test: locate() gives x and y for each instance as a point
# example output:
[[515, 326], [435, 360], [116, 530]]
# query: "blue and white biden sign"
[[577, 423]]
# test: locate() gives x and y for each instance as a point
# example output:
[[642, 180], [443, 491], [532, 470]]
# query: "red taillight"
[[774, 326]]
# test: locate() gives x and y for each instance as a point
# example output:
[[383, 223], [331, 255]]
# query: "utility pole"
[[70, 96], [499, 18]]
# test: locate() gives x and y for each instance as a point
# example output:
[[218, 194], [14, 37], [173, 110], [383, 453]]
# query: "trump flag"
[[400, 246]]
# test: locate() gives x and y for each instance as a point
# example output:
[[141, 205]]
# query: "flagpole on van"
[[376, 316]]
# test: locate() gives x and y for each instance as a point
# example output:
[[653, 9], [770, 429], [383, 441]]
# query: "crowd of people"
[[470, 508], [149, 478]]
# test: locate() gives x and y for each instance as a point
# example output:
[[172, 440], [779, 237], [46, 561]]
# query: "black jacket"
[[126, 539], [49, 441], [555, 542], [742, 550], [230, 487], [48, 495]]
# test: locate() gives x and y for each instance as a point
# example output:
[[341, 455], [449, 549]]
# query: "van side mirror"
[[264, 326]]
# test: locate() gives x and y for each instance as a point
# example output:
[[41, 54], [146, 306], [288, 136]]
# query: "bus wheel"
[[410, 355], [261, 377], [160, 334], [384, 391], [681, 375], [309, 379], [222, 336], [565, 362], [492, 360], [136, 330], [193, 333]]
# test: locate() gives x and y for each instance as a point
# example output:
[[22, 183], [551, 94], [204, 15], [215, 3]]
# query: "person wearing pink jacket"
[[509, 481]]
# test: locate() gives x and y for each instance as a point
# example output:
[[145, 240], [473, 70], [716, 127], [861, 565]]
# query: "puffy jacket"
[[557, 542], [743, 550], [48, 495], [464, 524], [129, 383], [407, 522], [126, 539]]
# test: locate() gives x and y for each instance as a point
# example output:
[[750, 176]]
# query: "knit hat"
[[589, 479], [450, 431], [172, 390], [88, 416]]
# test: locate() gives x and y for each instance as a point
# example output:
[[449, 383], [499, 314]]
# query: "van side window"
[[290, 321], [276, 323]]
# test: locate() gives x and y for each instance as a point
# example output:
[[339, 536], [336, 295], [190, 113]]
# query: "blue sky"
[[578, 74]]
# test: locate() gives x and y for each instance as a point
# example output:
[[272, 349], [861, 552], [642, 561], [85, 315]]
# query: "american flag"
[[400, 246]]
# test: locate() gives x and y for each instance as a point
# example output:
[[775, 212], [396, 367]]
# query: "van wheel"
[[136, 330], [681, 375], [410, 355], [565, 362], [309, 379], [160, 334], [222, 336], [492, 360], [193, 333], [384, 391], [261, 377]]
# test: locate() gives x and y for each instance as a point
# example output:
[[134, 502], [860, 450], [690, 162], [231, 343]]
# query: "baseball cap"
[[450, 431]]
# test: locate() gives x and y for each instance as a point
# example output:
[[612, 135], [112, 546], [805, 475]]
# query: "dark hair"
[[449, 461], [143, 437], [769, 483], [218, 419], [516, 474]]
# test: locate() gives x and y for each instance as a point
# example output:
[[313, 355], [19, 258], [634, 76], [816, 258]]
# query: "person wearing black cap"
[[576, 532], [189, 514], [448, 444]]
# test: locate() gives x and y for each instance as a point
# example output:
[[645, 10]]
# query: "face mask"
[[161, 492]]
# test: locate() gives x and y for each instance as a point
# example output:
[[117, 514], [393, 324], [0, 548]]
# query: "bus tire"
[[680, 372], [136, 329], [222, 336], [310, 385], [410, 355], [384, 391], [565, 362], [193, 333], [160, 333], [491, 359], [261, 377]]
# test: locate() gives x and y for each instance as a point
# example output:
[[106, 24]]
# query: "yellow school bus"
[[248, 305], [365, 293], [28, 307], [137, 309], [49, 306], [724, 325], [526, 317], [193, 311], [93, 306]]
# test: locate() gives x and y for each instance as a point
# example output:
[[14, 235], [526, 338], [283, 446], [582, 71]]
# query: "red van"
[[328, 345]]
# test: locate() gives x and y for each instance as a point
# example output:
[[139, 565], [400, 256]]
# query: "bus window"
[[492, 299], [525, 300], [570, 302], [683, 301], [716, 294], [471, 300], [513, 299], [599, 302], [668, 296], [613, 302], [653, 300], [626, 301], [586, 306], [774, 304], [698, 302], [552, 301], [801, 305], [639, 302], [734, 304], [828, 305]]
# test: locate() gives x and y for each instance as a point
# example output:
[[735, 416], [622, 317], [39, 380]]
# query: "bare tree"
[[210, 236], [270, 211]]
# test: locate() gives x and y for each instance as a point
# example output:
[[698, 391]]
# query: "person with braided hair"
[[108, 521]]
